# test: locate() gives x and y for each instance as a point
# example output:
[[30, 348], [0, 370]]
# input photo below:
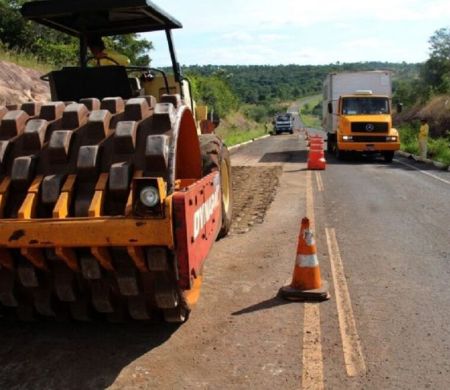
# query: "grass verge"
[[238, 127], [311, 120], [309, 112], [233, 136], [438, 148], [24, 59]]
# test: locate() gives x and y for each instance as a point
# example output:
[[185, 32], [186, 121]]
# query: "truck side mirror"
[[330, 108], [399, 107]]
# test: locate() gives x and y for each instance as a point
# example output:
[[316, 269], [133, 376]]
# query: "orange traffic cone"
[[306, 282]]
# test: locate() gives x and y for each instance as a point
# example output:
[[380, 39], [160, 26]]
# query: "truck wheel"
[[338, 153], [331, 144], [388, 156], [216, 157]]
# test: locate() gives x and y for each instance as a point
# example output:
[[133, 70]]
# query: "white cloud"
[[238, 36], [364, 43], [322, 31], [219, 16]]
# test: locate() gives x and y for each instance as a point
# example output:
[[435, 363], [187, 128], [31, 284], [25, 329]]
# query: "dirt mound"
[[437, 111], [18, 85], [253, 190]]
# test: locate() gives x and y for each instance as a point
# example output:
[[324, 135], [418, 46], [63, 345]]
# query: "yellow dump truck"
[[357, 114]]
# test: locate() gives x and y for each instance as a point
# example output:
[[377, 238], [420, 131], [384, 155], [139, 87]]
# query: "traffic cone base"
[[316, 295]]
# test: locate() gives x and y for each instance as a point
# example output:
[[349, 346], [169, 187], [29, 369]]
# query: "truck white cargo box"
[[379, 82]]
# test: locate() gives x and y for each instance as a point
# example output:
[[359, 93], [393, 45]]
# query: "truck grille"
[[370, 127]]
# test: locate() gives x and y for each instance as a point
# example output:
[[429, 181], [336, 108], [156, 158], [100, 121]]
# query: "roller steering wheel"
[[98, 59]]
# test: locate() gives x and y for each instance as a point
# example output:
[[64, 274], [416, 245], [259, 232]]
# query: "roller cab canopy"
[[102, 17]]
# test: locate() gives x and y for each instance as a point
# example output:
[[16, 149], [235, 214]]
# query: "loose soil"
[[254, 189]]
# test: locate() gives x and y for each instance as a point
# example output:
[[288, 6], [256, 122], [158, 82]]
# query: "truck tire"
[[331, 143], [340, 155], [388, 156], [216, 157]]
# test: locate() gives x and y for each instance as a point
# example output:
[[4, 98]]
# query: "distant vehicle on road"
[[283, 123], [357, 113]]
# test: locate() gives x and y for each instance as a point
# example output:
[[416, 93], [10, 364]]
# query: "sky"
[[313, 32]]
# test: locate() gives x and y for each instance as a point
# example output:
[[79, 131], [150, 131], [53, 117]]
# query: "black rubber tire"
[[331, 143], [339, 153], [329, 146], [177, 315], [388, 156], [216, 157]]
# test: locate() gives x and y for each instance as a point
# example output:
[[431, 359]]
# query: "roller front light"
[[149, 196]]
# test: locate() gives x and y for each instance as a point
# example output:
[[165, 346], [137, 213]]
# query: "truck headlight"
[[347, 138], [391, 138], [149, 196]]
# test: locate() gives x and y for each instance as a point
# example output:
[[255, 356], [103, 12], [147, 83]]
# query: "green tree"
[[54, 47], [214, 92], [440, 44], [436, 69], [135, 48]]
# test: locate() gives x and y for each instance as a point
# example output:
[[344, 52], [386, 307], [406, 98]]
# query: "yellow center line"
[[319, 182], [312, 375], [354, 359]]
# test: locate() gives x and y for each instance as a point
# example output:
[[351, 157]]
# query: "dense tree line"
[[262, 83]]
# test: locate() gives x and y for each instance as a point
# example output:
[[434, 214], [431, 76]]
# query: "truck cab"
[[284, 123], [365, 125], [357, 113]]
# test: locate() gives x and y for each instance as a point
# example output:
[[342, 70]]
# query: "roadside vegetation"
[[236, 128], [311, 111], [438, 147], [428, 96], [34, 44], [26, 60]]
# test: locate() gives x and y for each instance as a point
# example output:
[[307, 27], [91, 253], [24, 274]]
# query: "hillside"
[[262, 83], [19, 84]]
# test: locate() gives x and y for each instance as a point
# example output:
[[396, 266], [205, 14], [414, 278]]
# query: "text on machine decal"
[[206, 210]]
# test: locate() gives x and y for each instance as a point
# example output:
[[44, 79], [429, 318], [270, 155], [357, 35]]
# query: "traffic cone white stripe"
[[307, 261], [309, 238]]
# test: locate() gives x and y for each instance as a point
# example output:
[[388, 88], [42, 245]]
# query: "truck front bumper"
[[369, 146]]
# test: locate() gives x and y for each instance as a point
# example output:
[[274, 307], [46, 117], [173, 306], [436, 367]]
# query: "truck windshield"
[[365, 106], [283, 118]]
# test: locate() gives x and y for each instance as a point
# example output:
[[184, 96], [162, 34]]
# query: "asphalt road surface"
[[382, 233]]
